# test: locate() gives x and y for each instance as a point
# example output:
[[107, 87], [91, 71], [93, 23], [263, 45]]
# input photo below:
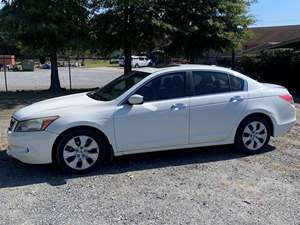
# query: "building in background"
[[273, 37], [9, 61]]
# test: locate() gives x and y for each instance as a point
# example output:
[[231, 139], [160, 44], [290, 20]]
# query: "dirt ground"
[[212, 185]]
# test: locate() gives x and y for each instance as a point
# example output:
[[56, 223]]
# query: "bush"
[[279, 66]]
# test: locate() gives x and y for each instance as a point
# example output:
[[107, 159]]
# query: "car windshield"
[[118, 86]]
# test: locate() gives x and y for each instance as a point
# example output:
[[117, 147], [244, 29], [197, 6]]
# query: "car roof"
[[174, 68], [183, 67]]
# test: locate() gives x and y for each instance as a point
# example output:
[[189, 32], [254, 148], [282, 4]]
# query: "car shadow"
[[14, 173]]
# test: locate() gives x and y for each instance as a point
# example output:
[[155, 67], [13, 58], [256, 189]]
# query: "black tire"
[[73, 134], [239, 143], [136, 66]]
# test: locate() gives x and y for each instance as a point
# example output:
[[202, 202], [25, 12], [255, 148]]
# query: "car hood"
[[55, 106]]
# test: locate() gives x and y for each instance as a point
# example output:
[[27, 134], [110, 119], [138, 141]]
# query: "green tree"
[[131, 25], [201, 25], [186, 27], [46, 27]]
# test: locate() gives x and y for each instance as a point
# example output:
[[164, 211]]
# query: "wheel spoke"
[[246, 135], [71, 159], [72, 144], [73, 164], [248, 142], [258, 125], [261, 140], [93, 145], [94, 156], [90, 160], [93, 151], [69, 149], [68, 154], [86, 164], [254, 144], [262, 132], [77, 141], [79, 163], [250, 127], [88, 142]]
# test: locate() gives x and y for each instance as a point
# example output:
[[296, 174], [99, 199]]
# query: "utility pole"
[[4, 69], [70, 75]]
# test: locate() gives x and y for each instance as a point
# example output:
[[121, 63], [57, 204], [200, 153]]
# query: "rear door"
[[217, 103]]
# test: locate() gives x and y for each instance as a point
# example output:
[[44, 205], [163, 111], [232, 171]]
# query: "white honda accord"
[[152, 109]]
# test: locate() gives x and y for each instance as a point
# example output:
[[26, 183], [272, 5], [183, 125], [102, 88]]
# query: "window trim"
[[245, 82], [186, 88], [192, 86]]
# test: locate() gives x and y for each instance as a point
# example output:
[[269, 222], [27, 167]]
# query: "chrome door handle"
[[178, 106], [236, 99]]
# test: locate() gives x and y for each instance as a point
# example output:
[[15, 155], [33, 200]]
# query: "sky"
[[276, 12]]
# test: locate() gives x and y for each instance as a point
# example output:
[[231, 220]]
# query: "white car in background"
[[136, 61], [152, 110]]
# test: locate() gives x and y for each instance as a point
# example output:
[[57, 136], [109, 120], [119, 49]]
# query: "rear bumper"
[[31, 147], [283, 128]]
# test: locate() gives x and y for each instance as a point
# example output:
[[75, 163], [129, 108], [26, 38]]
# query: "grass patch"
[[90, 63]]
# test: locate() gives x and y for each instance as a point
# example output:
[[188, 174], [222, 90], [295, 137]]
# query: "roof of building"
[[272, 37]]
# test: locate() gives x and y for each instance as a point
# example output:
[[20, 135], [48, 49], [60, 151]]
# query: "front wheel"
[[253, 135], [80, 152]]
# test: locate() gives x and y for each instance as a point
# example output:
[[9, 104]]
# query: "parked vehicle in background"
[[46, 66], [27, 65], [136, 61], [152, 109]]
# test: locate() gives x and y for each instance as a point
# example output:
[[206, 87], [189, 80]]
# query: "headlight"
[[32, 125]]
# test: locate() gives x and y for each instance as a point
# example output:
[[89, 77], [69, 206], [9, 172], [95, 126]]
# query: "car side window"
[[237, 84], [207, 82], [165, 87]]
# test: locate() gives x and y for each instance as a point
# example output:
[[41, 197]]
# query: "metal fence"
[[74, 73]]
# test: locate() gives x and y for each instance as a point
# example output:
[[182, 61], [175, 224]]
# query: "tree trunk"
[[127, 41], [233, 59], [55, 83], [127, 54], [42, 59]]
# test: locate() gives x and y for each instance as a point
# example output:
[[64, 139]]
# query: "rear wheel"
[[80, 151], [253, 135]]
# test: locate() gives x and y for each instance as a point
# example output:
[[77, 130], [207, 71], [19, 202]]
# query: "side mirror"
[[136, 100]]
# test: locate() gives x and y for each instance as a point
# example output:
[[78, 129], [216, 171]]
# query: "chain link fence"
[[74, 73]]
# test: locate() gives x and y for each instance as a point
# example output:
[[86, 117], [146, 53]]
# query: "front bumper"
[[31, 147]]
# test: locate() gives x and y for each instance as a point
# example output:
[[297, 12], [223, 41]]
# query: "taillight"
[[288, 98]]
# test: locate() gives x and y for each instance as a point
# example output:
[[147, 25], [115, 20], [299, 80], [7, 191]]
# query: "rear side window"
[[237, 84], [165, 87], [207, 82]]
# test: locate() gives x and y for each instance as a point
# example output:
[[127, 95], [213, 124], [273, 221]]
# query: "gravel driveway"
[[199, 186]]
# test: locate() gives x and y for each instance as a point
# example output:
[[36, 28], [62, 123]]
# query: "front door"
[[162, 121]]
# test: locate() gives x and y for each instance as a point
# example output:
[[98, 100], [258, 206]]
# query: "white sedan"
[[150, 110]]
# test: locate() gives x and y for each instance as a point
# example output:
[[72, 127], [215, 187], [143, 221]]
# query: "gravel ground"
[[199, 186]]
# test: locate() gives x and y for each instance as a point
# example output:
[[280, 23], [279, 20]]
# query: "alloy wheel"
[[255, 135], [81, 152]]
